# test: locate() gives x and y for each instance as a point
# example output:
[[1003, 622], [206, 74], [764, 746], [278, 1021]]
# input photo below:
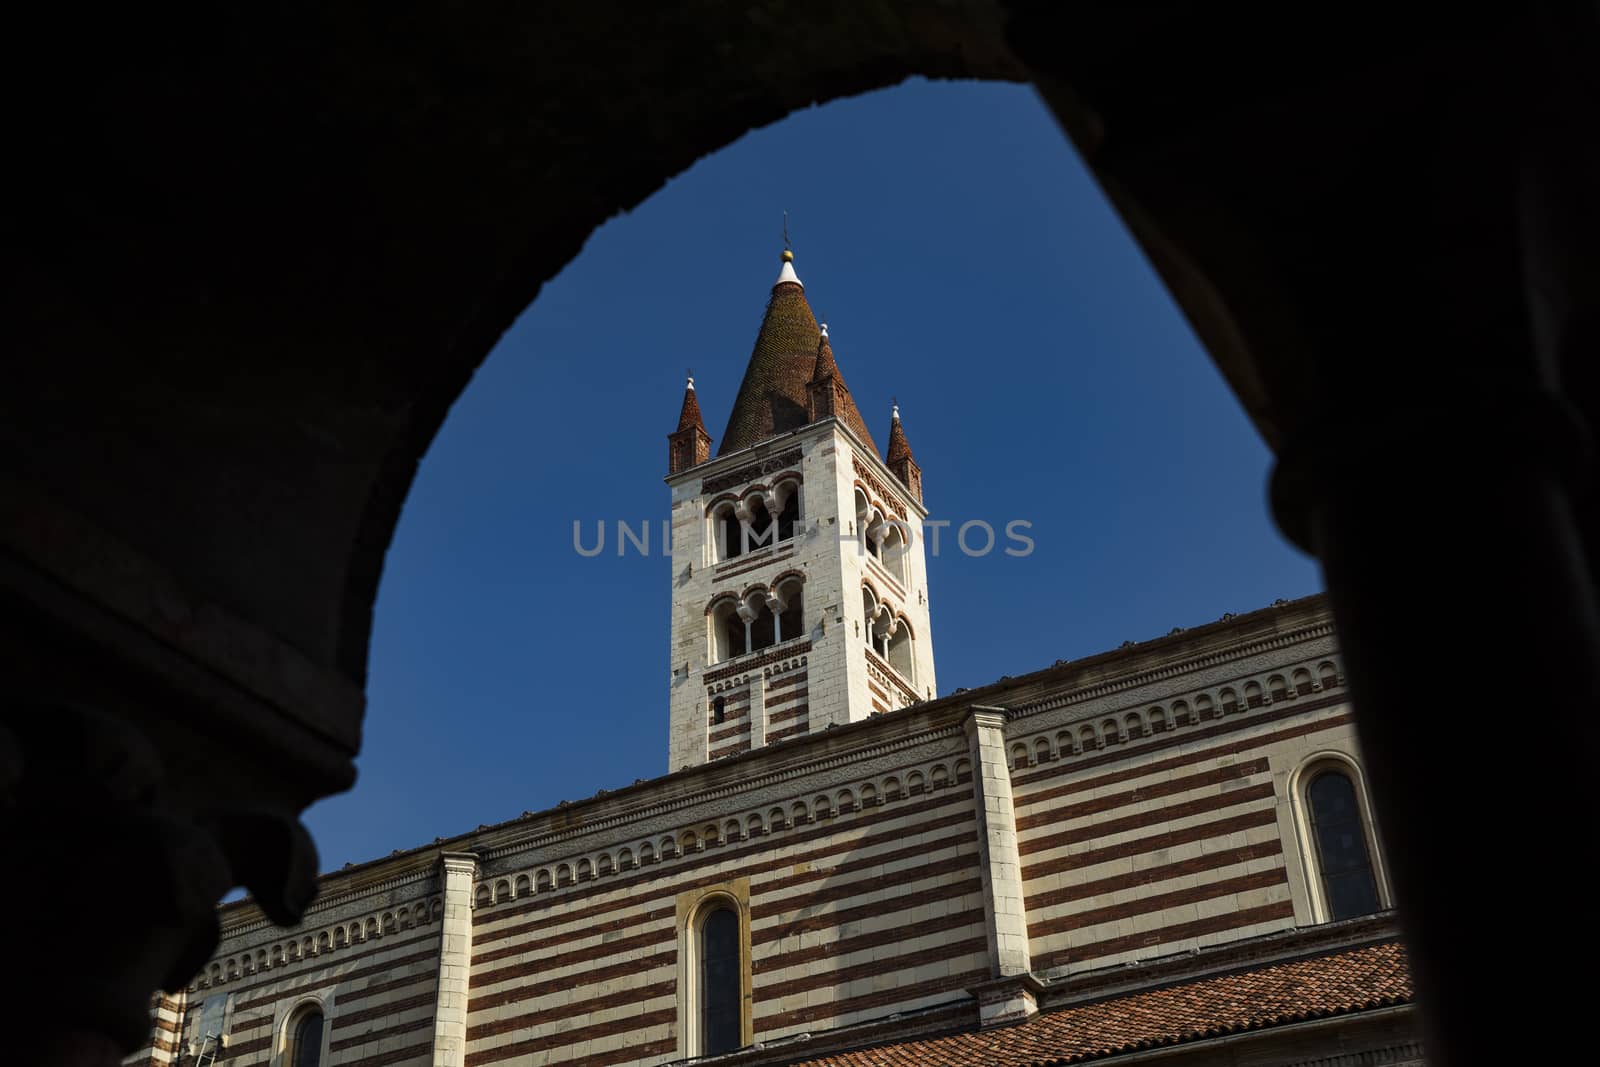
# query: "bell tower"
[[799, 580]]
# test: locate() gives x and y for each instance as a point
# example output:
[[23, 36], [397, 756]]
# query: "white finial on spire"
[[691, 382], [895, 414], [787, 274], [824, 329]]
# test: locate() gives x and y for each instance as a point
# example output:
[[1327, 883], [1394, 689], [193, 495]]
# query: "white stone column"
[[758, 709], [457, 871], [997, 828]]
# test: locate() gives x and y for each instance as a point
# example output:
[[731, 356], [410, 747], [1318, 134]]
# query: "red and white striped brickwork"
[[162, 1049], [1150, 806], [864, 899]]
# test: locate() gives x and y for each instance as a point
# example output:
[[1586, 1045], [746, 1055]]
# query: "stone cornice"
[[929, 721], [1186, 666], [250, 917], [746, 783]]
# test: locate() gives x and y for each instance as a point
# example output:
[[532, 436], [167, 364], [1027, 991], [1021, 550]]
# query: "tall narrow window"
[[730, 533], [1348, 887], [789, 517], [759, 531], [719, 982], [305, 1041]]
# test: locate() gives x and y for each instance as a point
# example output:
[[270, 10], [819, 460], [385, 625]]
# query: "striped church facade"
[[944, 864]]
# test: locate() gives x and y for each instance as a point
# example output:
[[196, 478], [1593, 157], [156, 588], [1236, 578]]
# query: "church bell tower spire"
[[799, 588]]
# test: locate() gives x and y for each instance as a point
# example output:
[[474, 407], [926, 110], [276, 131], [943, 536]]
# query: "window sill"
[[766, 554], [789, 646]]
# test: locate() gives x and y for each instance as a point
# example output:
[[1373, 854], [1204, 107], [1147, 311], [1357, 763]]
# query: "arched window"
[[789, 511], [727, 533], [1339, 836], [304, 1045], [863, 522], [791, 621], [728, 635], [894, 551], [764, 627], [759, 530], [719, 709], [899, 651], [718, 982]]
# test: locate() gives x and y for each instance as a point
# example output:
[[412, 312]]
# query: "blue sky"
[[967, 265]]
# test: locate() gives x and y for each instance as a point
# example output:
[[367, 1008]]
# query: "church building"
[[1164, 852]]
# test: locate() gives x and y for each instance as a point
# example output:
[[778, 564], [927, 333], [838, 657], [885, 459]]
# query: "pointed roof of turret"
[[826, 366], [774, 396], [689, 418], [899, 447]]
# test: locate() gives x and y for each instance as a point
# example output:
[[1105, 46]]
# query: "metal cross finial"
[[786, 247]]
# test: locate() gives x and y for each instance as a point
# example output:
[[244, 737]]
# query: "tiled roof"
[[1360, 979], [689, 417], [848, 413], [899, 447], [774, 396]]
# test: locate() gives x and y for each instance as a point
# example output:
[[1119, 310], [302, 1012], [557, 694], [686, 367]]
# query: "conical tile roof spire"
[[899, 447], [774, 396], [900, 462], [689, 445], [826, 366], [829, 394], [689, 417]]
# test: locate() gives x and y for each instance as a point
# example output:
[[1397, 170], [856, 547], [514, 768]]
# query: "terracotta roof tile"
[[773, 398], [1361, 979], [849, 414], [689, 417], [775, 395], [899, 447]]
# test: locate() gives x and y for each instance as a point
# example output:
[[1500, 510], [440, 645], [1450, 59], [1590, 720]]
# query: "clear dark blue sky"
[[966, 264]]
